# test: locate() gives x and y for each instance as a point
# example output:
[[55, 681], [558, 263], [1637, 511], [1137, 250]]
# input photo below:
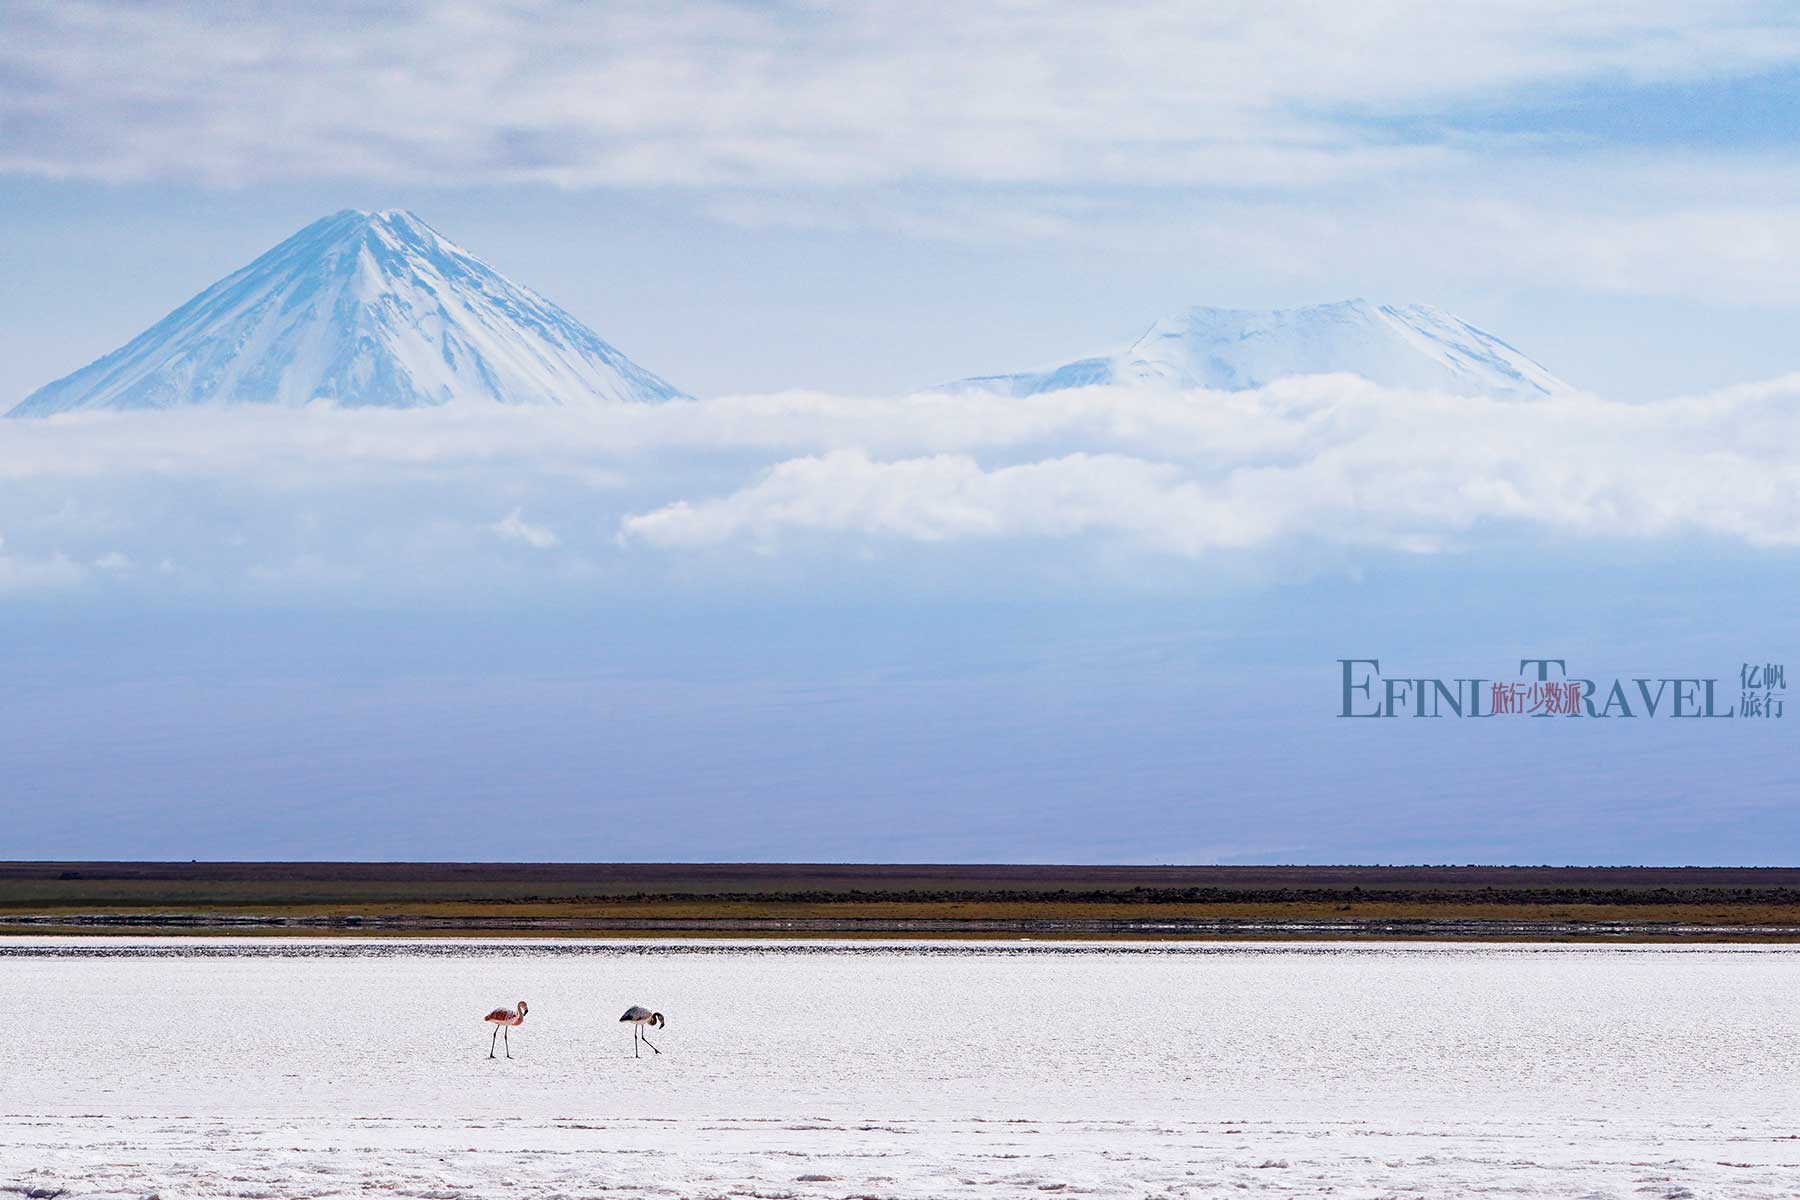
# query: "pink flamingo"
[[506, 1018], [639, 1016]]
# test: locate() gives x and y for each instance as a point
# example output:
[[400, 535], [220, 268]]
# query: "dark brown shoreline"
[[714, 876], [1685, 904]]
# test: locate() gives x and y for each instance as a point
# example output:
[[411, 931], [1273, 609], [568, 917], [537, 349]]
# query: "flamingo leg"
[[650, 1043], [492, 1040], [507, 1040], [636, 1033]]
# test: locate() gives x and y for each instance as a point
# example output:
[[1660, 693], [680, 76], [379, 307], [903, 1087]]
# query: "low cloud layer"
[[1096, 486], [1335, 461]]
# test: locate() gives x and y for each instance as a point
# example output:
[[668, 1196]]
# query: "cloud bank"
[[1094, 487], [1490, 134], [777, 96]]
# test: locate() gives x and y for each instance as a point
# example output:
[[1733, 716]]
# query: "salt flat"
[[264, 1068]]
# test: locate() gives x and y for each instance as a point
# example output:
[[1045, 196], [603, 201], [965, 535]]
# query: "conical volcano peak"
[[350, 226], [360, 309], [393, 219], [402, 225], [1231, 349]]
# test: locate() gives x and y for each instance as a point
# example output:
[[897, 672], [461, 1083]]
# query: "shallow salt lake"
[[261, 1068]]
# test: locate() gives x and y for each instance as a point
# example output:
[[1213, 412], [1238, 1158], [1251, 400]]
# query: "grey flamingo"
[[639, 1016], [506, 1018]]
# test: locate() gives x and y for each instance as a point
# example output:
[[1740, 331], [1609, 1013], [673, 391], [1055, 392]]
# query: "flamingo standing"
[[506, 1018], [639, 1016]]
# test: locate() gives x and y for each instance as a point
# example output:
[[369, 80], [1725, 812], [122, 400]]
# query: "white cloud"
[[20, 575], [947, 498], [514, 528]]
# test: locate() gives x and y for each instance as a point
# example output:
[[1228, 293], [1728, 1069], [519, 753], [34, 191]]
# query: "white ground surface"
[[321, 1069]]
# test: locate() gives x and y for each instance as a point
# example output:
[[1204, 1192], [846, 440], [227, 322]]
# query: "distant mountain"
[[1230, 349], [363, 310]]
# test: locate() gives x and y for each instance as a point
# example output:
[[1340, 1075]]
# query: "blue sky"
[[807, 617], [1199, 729]]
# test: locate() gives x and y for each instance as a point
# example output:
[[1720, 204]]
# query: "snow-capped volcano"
[[372, 310], [1230, 349]]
